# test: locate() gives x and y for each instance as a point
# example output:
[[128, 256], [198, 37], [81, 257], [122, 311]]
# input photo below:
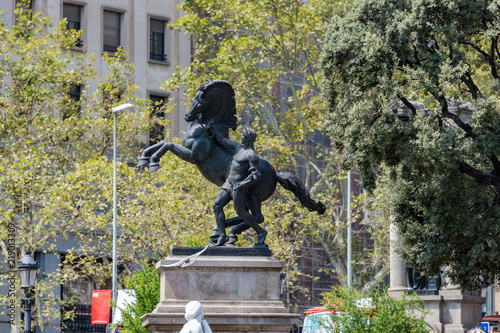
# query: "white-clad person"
[[195, 322], [477, 330]]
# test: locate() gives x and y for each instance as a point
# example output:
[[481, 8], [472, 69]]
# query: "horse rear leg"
[[254, 205], [235, 231]]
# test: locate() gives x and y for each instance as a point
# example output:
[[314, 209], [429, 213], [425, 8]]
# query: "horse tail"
[[293, 184]]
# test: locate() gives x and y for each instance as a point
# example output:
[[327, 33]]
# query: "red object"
[[101, 307], [321, 309], [318, 309], [495, 318]]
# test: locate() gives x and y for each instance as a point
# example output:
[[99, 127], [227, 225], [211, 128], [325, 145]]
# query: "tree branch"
[[477, 48], [469, 82], [494, 45], [479, 176], [415, 53], [440, 121], [408, 105], [446, 113], [489, 57], [496, 164]]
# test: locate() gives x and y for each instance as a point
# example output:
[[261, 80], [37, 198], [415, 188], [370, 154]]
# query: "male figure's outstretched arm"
[[225, 141]]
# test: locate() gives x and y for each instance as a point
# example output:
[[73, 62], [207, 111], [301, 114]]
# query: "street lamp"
[[115, 110], [27, 272], [349, 232]]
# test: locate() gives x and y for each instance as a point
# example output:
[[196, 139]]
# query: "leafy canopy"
[[56, 170], [439, 165]]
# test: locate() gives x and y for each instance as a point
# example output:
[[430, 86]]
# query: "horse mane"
[[231, 121]]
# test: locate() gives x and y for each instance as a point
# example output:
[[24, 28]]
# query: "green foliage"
[[56, 167], [385, 315], [144, 284], [436, 170]]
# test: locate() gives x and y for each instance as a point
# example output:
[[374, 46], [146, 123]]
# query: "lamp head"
[[122, 107], [27, 270]]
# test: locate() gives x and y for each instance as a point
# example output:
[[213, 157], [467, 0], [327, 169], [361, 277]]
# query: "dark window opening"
[[157, 130], [111, 31], [74, 93], [73, 14], [157, 40], [26, 6]]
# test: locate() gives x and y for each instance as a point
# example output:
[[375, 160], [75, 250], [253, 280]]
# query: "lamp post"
[[115, 110], [27, 272], [349, 232]]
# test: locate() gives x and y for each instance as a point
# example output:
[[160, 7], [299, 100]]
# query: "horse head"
[[214, 101]]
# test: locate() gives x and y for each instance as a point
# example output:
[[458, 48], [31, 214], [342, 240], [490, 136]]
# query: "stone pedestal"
[[238, 294], [450, 309], [453, 311]]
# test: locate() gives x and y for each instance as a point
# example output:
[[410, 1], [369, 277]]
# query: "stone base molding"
[[238, 294]]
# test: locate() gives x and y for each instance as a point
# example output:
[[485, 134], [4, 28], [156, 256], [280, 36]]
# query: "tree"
[[375, 311], [56, 167], [269, 52], [144, 285], [440, 170]]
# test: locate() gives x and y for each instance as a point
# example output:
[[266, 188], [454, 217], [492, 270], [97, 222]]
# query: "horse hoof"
[[212, 241], [261, 246], [153, 166], [232, 239], [221, 240], [142, 161]]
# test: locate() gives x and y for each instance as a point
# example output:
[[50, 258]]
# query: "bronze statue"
[[206, 144]]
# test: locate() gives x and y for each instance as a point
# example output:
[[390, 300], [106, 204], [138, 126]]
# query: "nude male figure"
[[243, 172]]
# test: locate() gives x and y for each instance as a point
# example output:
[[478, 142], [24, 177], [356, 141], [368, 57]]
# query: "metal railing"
[[81, 321]]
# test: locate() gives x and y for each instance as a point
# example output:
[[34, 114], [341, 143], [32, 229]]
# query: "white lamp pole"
[[349, 245], [115, 110]]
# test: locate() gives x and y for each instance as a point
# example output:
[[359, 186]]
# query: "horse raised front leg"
[[146, 154], [178, 150]]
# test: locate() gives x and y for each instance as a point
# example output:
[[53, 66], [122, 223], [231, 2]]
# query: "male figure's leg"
[[221, 200]]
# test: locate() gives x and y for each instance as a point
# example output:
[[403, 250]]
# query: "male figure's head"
[[248, 137]]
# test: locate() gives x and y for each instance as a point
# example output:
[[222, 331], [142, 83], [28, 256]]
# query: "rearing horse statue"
[[214, 108]]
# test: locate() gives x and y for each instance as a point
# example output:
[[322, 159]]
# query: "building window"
[[75, 92], [157, 40], [73, 14], [111, 31], [24, 5], [74, 105], [157, 130]]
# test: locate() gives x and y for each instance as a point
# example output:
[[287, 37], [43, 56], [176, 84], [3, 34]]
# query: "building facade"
[[138, 26]]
